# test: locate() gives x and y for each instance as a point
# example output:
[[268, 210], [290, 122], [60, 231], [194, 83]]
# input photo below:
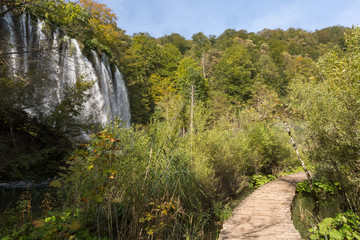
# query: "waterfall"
[[24, 40], [58, 61], [10, 46], [121, 97]]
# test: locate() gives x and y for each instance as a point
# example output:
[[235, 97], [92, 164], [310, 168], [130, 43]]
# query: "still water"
[[10, 194], [304, 213]]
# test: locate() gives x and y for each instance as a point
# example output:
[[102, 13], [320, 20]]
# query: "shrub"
[[259, 180], [343, 226], [320, 186]]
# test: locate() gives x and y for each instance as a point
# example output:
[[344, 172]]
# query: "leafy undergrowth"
[[322, 187], [343, 226], [21, 223], [259, 180]]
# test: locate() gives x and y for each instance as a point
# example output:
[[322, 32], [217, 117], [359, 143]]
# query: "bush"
[[259, 180], [129, 178], [320, 186], [266, 149], [343, 226]]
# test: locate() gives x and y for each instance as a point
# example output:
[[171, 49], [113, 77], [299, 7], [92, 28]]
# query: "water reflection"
[[304, 216]]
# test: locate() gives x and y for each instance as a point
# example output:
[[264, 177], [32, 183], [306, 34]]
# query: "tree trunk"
[[299, 157], [192, 110], [203, 56]]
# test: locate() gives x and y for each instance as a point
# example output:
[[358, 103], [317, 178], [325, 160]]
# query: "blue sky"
[[187, 17]]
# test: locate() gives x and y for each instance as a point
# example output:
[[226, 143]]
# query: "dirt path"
[[266, 213]]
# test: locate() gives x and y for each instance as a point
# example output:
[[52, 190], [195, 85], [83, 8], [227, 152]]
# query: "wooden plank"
[[265, 214]]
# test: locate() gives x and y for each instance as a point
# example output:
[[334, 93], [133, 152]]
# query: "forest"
[[210, 122]]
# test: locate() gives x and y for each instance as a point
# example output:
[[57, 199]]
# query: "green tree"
[[102, 23], [142, 60], [334, 35], [192, 87], [201, 45], [234, 74], [189, 74], [330, 104], [178, 41], [163, 81], [301, 42], [228, 38], [267, 70]]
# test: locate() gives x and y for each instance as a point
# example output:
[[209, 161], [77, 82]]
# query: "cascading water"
[[10, 44], [24, 40], [58, 61], [121, 97]]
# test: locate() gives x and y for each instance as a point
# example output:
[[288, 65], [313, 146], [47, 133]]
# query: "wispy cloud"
[[187, 17], [350, 15], [284, 17]]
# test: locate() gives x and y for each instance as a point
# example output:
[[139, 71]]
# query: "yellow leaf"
[[55, 183]]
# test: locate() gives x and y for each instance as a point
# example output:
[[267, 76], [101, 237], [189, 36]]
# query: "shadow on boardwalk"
[[266, 213]]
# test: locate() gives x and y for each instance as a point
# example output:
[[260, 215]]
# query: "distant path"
[[266, 213]]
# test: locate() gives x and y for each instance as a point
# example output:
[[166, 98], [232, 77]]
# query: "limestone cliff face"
[[28, 47]]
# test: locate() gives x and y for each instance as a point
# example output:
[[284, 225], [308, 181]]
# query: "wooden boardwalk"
[[266, 213]]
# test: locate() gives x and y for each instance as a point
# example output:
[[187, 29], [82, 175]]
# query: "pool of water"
[[10, 195], [304, 214]]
